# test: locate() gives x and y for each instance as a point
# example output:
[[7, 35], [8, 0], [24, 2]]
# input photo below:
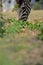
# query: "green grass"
[[3, 58]]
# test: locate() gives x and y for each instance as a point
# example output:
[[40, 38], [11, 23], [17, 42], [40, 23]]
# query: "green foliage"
[[15, 51], [2, 31], [36, 6], [15, 26], [36, 25], [41, 27], [41, 1], [30, 25], [40, 35]]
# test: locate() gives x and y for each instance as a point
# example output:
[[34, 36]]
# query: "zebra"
[[24, 9]]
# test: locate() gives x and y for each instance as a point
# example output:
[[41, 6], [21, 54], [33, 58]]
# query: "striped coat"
[[24, 9]]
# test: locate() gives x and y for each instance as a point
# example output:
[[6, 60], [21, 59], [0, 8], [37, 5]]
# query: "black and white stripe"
[[25, 9]]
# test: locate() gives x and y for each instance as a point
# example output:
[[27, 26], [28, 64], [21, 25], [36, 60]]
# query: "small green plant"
[[40, 35], [36, 25], [15, 25]]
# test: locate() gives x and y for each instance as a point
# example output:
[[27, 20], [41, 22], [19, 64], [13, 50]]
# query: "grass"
[[22, 48], [3, 59], [15, 52]]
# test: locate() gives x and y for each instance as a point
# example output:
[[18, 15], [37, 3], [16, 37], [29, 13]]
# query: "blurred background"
[[8, 5]]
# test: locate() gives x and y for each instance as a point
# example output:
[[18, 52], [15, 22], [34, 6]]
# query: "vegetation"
[[41, 1], [2, 30], [15, 26], [38, 4], [0, 3], [19, 44]]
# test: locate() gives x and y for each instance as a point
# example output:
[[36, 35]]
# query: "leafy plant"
[[40, 35], [15, 26], [1, 28]]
